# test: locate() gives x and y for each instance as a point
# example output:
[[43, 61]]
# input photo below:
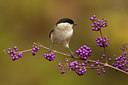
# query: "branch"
[[61, 53]]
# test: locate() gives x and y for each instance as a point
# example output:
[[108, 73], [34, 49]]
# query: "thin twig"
[[42, 46], [24, 51], [105, 55], [101, 34], [116, 68], [104, 48], [94, 67]]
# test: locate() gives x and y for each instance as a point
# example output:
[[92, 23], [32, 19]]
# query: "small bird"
[[61, 33]]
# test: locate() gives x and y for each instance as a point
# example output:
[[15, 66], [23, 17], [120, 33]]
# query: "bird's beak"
[[75, 25]]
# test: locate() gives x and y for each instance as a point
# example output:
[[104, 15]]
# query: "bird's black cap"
[[64, 20]]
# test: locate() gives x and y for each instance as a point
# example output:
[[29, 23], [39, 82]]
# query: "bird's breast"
[[62, 35]]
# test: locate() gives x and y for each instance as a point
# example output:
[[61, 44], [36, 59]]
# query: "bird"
[[62, 33]]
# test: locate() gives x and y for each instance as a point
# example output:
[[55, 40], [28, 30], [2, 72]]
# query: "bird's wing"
[[51, 32]]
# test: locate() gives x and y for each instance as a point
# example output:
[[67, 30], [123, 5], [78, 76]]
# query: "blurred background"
[[23, 22]]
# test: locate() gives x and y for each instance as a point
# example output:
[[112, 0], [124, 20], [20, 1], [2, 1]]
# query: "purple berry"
[[97, 69], [8, 52], [94, 16], [110, 59], [9, 48], [13, 58], [102, 57], [15, 47], [62, 72], [92, 65], [98, 72]]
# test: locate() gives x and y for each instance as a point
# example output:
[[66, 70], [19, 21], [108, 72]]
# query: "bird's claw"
[[49, 50], [72, 55]]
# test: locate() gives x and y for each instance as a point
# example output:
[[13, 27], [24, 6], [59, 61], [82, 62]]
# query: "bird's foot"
[[72, 55], [49, 49]]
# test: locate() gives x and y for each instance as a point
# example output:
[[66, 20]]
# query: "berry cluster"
[[124, 47], [102, 42], [98, 24], [84, 52], [49, 57], [121, 62], [103, 56], [75, 66], [60, 65], [34, 50], [81, 68], [96, 65], [13, 54], [102, 70]]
